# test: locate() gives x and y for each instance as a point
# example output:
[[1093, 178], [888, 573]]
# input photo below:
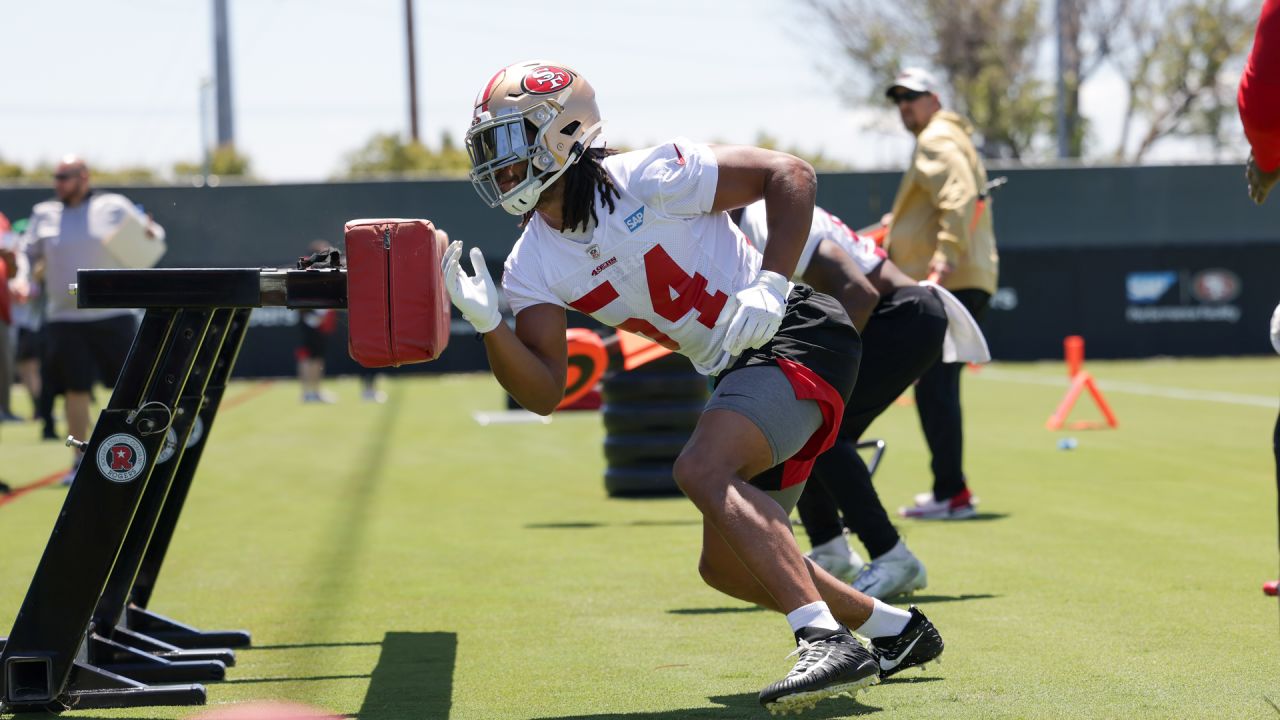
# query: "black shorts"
[[77, 353], [817, 333], [311, 342], [818, 336], [902, 340], [30, 344]]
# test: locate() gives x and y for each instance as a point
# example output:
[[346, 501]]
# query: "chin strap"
[[526, 199]]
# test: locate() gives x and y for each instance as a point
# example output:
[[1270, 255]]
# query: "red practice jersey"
[[1259, 96]]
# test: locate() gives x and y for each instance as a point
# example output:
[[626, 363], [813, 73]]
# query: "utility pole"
[[1068, 25], [413, 72], [1064, 139], [222, 72], [205, 161]]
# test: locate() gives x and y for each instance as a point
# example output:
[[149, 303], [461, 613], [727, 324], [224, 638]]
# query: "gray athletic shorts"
[[763, 395]]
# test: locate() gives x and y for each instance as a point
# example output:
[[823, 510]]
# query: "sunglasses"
[[906, 96], [64, 176]]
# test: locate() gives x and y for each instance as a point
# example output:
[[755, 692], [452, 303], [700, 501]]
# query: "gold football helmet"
[[539, 112]]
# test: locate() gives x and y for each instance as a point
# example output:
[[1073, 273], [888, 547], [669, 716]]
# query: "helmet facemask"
[[501, 140], [536, 112]]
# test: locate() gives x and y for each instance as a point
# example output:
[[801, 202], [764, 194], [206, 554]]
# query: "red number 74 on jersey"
[[672, 291]]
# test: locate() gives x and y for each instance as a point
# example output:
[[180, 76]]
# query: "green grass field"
[[399, 561]]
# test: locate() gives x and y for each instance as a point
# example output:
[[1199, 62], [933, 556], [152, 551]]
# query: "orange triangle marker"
[[1080, 381]]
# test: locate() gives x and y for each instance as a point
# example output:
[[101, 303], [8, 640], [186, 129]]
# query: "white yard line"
[[1132, 388]]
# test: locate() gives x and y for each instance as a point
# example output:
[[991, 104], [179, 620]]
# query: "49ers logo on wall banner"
[[121, 458], [546, 79]]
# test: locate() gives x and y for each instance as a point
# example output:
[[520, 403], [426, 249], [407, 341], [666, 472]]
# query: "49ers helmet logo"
[[546, 79], [121, 458]]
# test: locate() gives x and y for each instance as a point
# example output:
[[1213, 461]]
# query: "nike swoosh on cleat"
[[887, 664]]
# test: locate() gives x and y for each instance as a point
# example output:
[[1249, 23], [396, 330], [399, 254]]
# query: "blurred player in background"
[[640, 241], [940, 228], [903, 325], [9, 256], [82, 345], [1259, 104], [28, 313], [315, 327]]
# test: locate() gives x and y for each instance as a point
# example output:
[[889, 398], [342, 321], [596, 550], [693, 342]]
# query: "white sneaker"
[[893, 573], [320, 396], [373, 396], [960, 507], [836, 557]]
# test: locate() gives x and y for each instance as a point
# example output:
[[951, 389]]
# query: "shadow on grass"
[[294, 646], [924, 599], [312, 678], [589, 525], [734, 707], [413, 677], [72, 716], [979, 517], [913, 680], [715, 611], [563, 526]]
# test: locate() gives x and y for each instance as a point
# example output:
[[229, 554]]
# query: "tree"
[[10, 171], [1172, 55], [389, 154], [985, 50], [224, 161], [42, 174], [1173, 61]]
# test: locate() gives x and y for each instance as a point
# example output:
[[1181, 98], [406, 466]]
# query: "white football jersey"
[[660, 265], [866, 255]]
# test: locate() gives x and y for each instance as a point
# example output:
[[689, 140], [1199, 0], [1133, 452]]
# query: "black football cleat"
[[831, 663], [917, 644]]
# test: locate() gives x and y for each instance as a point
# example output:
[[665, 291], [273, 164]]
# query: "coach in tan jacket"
[[940, 229]]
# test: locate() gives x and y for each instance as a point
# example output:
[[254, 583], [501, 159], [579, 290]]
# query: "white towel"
[[964, 341], [1275, 329]]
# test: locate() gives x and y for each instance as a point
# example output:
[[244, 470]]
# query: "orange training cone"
[[1073, 347]]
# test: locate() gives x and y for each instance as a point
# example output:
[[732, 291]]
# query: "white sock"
[[885, 621], [837, 545], [815, 614]]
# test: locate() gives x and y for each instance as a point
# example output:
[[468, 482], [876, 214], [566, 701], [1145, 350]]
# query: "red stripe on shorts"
[[808, 385]]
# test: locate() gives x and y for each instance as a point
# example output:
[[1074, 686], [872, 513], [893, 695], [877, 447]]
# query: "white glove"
[[756, 312], [1275, 329], [475, 297]]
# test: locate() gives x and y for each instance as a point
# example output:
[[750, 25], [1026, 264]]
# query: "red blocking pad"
[[397, 305]]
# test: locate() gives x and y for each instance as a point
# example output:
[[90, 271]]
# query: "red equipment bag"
[[398, 308]]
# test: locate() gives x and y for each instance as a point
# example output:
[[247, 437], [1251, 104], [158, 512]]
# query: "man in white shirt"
[[641, 241], [82, 345]]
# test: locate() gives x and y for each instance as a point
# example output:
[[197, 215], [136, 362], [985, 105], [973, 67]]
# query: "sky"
[[120, 82]]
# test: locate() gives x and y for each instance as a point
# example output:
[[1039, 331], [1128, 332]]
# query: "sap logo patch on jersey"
[[1148, 287], [635, 220]]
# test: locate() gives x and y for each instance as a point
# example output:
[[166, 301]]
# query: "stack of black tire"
[[649, 414]]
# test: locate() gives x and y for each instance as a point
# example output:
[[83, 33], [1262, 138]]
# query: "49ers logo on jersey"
[[121, 458], [546, 79]]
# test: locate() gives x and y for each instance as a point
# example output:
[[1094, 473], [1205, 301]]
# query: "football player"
[[641, 241], [904, 326]]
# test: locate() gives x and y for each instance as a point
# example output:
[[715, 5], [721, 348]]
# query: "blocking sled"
[[398, 308]]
